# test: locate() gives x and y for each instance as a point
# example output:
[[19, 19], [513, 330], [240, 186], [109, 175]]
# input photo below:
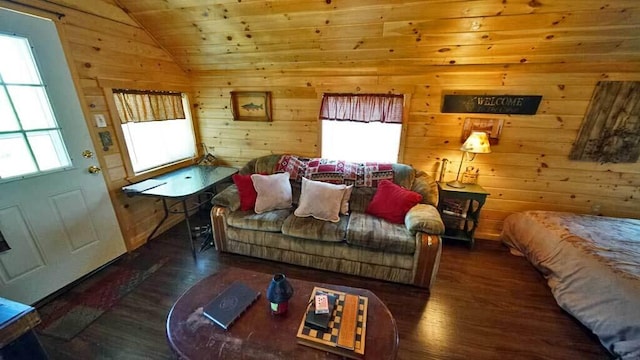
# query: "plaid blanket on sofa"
[[335, 171]]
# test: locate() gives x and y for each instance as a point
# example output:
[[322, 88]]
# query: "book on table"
[[345, 332], [227, 307]]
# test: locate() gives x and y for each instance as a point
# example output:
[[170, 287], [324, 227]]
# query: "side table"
[[18, 340], [460, 210], [179, 185]]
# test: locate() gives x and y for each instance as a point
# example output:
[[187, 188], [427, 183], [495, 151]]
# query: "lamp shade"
[[477, 143]]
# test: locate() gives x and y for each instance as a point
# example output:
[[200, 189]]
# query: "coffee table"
[[258, 334]]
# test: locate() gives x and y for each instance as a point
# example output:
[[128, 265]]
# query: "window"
[[361, 127], [30, 137], [157, 128]]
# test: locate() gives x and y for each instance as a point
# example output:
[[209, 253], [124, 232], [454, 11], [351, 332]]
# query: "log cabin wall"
[[528, 169], [103, 44], [299, 49], [423, 49]]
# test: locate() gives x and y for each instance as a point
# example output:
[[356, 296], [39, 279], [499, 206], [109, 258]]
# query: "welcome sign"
[[492, 104]]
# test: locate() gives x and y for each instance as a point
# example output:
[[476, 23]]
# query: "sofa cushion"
[[274, 192], [373, 232], [269, 221], [360, 198], [228, 198], [392, 202], [320, 200], [425, 218], [314, 229]]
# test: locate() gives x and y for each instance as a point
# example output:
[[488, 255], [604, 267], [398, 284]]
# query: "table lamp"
[[476, 143]]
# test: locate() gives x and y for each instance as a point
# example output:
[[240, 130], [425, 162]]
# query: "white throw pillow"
[[321, 200], [274, 192]]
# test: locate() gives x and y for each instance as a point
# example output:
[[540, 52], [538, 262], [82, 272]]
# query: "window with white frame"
[[30, 137], [157, 128], [361, 127]]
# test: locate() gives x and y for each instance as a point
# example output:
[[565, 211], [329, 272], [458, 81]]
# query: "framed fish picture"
[[251, 105]]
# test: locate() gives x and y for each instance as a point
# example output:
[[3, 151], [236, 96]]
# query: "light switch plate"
[[100, 120]]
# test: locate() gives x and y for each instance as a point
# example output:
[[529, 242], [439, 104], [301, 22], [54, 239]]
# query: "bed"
[[592, 265]]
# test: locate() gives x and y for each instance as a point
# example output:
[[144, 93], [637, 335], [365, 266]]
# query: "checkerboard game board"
[[327, 340]]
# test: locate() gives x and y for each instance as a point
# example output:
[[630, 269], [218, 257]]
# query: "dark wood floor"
[[486, 304]]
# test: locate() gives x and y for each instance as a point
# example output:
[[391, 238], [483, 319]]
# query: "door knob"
[[87, 154], [94, 169]]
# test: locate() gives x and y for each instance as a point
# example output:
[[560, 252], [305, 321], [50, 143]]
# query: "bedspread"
[[592, 265]]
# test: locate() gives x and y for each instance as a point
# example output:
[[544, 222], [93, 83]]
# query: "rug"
[[72, 312]]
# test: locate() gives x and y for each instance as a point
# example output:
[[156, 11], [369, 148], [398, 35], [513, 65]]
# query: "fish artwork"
[[252, 107]]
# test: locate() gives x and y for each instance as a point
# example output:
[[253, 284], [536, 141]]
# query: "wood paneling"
[[293, 34], [528, 169], [300, 49]]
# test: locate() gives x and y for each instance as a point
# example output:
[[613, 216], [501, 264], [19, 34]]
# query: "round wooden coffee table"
[[258, 334]]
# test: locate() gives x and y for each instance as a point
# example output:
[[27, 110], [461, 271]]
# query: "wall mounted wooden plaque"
[[492, 104]]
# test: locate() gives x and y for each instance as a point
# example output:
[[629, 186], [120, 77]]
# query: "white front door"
[[59, 224]]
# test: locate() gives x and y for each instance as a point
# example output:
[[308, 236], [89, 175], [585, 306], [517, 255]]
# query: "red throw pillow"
[[392, 202], [246, 191]]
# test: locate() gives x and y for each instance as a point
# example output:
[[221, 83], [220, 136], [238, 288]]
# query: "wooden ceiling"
[[388, 36]]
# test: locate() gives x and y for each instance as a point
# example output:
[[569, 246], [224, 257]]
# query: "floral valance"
[[386, 108], [139, 106]]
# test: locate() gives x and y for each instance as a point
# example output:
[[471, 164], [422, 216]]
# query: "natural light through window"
[[30, 138], [360, 142], [154, 143]]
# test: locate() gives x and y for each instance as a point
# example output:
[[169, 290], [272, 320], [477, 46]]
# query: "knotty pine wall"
[[103, 44], [528, 169]]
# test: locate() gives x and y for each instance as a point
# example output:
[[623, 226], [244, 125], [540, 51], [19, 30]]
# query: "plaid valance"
[[386, 108], [139, 106]]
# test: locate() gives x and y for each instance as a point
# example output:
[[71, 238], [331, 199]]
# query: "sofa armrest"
[[424, 218], [218, 227], [229, 198], [428, 260]]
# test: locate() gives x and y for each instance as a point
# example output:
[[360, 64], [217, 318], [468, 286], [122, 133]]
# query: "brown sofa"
[[359, 244]]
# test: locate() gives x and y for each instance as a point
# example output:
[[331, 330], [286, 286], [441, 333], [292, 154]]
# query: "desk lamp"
[[476, 143]]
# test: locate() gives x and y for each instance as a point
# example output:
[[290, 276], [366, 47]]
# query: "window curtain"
[[139, 106], [385, 108]]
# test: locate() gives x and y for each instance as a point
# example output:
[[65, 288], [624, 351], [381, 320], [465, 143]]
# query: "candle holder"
[[278, 293]]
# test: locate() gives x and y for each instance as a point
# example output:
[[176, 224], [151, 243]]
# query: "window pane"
[[32, 106], [16, 63], [155, 143], [15, 158], [360, 142], [8, 120], [48, 149]]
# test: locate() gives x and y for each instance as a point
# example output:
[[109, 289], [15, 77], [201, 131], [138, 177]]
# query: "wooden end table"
[[461, 225], [258, 334]]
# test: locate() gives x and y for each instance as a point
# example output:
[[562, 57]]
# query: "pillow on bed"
[[274, 192]]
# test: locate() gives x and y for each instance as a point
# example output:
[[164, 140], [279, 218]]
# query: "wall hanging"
[[251, 105], [610, 131], [492, 104]]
